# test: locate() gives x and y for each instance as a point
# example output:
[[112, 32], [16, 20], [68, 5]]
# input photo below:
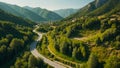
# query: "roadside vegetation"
[[27, 60]]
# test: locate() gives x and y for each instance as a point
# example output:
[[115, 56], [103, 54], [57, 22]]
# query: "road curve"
[[38, 55]]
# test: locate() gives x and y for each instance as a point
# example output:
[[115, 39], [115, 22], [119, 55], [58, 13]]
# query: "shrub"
[[113, 62], [93, 61]]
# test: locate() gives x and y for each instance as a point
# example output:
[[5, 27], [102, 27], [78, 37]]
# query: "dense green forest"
[[14, 47], [16, 34], [29, 61], [10, 35]]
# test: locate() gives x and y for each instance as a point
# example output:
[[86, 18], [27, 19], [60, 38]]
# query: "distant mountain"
[[4, 16], [33, 14], [66, 12], [21, 12], [48, 15]]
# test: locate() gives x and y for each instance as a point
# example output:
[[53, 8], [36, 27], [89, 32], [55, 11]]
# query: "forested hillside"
[[4, 16], [10, 35], [91, 41], [16, 34], [88, 42]]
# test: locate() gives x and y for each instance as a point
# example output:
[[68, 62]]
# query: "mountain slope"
[[19, 11], [89, 8], [4, 16], [66, 12], [48, 15], [98, 8], [107, 8]]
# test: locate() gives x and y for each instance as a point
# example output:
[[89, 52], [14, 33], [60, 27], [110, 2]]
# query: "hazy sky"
[[50, 4]]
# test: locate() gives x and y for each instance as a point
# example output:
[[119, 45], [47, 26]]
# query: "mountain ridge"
[[49, 15], [4, 16], [30, 14]]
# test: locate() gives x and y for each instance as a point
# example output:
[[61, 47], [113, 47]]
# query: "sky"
[[50, 4]]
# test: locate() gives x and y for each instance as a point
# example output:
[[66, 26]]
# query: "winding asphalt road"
[[38, 55]]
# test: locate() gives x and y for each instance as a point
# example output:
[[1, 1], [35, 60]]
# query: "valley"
[[35, 37]]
